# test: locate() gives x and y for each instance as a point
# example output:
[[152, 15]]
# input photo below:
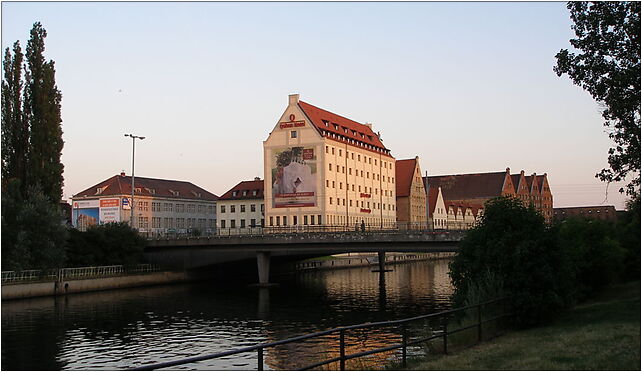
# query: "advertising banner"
[[85, 213], [109, 210], [294, 177]]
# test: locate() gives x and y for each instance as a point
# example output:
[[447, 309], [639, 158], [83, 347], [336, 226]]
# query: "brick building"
[[324, 169], [160, 206], [600, 212], [411, 195]]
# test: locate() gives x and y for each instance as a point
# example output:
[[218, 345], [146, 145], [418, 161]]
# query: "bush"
[[628, 231], [109, 244], [512, 252], [595, 250]]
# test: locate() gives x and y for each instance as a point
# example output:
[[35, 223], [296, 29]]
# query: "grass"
[[601, 334]]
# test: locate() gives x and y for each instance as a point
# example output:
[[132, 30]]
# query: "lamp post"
[[134, 138]]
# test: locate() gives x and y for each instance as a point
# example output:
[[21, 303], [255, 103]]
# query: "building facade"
[[411, 195], [436, 208], [242, 208], [598, 212], [160, 206], [325, 169]]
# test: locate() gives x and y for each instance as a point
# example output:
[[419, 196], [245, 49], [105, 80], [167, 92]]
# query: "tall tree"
[[608, 67], [42, 110], [15, 129]]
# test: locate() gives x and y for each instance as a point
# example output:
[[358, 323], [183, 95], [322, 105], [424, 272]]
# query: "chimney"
[[293, 99], [257, 178], [522, 172], [508, 170], [369, 125], [122, 173]]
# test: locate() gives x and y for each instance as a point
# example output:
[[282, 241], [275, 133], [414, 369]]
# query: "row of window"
[[169, 222], [177, 208], [241, 224], [360, 203], [366, 159], [307, 220], [358, 173], [365, 188], [242, 208]]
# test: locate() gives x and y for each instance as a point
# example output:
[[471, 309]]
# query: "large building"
[[242, 208], [160, 206], [324, 169], [411, 195], [598, 212], [462, 191]]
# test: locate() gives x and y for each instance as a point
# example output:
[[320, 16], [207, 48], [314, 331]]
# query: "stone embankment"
[[357, 260]]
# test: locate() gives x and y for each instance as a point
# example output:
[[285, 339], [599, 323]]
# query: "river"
[[130, 327]]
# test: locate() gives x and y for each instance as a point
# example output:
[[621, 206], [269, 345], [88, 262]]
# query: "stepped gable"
[[249, 187], [152, 187], [404, 172], [362, 135], [540, 182], [469, 186]]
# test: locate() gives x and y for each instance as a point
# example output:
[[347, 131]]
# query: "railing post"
[[260, 359], [342, 350], [445, 331], [479, 322], [404, 342]]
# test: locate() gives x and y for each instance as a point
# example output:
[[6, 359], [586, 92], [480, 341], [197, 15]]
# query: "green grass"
[[601, 334]]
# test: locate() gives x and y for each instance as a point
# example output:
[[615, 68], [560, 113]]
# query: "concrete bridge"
[[192, 253]]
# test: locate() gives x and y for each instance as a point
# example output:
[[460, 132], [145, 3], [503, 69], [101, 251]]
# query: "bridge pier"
[[382, 263], [263, 263]]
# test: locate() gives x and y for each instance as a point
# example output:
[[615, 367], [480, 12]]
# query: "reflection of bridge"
[[205, 251]]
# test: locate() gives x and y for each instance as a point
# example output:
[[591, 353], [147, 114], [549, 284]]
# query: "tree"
[[608, 67], [513, 253], [109, 244], [42, 111]]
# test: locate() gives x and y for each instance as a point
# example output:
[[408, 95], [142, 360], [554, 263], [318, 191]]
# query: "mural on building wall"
[[294, 177]]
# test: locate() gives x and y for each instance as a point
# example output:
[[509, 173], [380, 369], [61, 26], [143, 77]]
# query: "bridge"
[[192, 253]]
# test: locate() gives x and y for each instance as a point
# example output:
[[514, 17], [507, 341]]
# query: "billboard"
[[109, 210], [85, 213], [294, 177]]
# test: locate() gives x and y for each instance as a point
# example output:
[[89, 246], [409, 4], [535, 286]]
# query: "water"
[[126, 328]]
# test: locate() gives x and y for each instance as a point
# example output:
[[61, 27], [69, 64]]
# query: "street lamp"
[[134, 138]]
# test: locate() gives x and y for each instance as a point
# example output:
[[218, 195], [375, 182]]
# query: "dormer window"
[[326, 123], [100, 190], [175, 193], [138, 190], [253, 192], [336, 127], [234, 193], [244, 192]]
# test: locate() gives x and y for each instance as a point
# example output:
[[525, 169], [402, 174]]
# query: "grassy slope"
[[603, 334]]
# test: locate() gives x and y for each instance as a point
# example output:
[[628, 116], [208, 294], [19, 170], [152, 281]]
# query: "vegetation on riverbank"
[[600, 334]]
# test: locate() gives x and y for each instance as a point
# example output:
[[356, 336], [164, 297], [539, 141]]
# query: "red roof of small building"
[[433, 195], [153, 187], [468, 186], [249, 187], [404, 171], [344, 129]]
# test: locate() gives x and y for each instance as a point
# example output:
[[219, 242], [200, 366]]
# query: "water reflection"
[[120, 329]]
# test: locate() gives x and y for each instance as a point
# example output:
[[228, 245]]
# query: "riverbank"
[[366, 259], [601, 334]]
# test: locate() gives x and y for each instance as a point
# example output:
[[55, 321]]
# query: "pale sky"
[[468, 87]]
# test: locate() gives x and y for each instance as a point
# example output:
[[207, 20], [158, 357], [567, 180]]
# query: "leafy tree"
[[608, 67], [595, 250], [628, 231], [42, 110], [512, 252], [108, 244]]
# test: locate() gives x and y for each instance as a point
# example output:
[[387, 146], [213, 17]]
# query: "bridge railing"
[[292, 230], [448, 322], [75, 273]]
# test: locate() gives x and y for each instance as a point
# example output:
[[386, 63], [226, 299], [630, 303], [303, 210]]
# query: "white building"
[[160, 206], [242, 208], [324, 169]]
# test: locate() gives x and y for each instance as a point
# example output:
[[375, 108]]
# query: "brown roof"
[[469, 186], [346, 129], [121, 185], [433, 195], [404, 173], [249, 187]]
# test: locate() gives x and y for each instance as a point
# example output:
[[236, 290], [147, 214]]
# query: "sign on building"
[[294, 177]]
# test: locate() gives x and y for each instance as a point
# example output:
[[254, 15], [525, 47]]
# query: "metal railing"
[[293, 230], [75, 273], [402, 324]]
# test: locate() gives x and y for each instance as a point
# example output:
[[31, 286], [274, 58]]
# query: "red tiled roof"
[[468, 186], [121, 185], [344, 129], [433, 195], [404, 171], [249, 187]]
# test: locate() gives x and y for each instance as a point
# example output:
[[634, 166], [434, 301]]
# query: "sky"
[[466, 86]]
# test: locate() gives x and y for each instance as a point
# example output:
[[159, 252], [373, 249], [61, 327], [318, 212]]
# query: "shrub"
[[512, 252], [109, 244]]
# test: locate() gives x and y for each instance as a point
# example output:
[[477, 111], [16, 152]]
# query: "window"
[[326, 149], [339, 152], [271, 221], [285, 220], [232, 208], [262, 208], [222, 209], [340, 185], [242, 208], [330, 166], [253, 222], [222, 224], [244, 192], [232, 223], [252, 207], [305, 220], [333, 184], [295, 220], [312, 220], [293, 134], [333, 151], [319, 219], [278, 220], [243, 223], [330, 200], [327, 183]]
